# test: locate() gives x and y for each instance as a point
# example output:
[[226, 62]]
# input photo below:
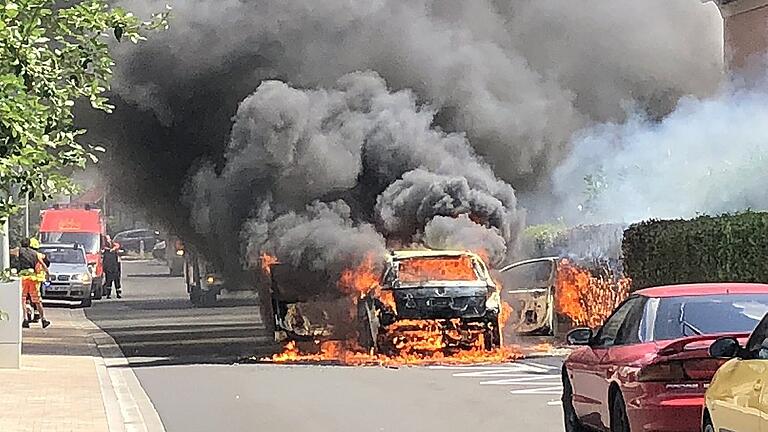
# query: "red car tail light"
[[662, 372], [680, 370], [703, 369]]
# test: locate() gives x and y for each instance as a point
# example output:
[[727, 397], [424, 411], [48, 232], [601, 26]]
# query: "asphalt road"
[[185, 359]]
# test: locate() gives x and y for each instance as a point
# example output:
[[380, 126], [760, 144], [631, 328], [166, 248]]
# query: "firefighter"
[[33, 262], [110, 258]]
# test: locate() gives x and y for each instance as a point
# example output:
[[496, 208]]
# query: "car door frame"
[[589, 374]]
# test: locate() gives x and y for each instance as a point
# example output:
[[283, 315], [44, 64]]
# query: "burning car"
[[551, 295], [450, 293]]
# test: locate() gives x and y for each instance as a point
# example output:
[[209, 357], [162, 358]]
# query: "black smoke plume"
[[263, 111]]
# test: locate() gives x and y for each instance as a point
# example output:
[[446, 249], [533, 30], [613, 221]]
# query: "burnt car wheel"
[[619, 419], [492, 337], [571, 419]]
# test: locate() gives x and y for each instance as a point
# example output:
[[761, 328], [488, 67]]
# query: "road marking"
[[478, 372], [524, 378], [541, 365], [554, 390]]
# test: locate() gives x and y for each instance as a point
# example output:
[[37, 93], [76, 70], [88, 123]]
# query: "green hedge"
[[728, 248]]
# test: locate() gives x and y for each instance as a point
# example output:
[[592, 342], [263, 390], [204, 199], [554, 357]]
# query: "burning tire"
[[492, 335]]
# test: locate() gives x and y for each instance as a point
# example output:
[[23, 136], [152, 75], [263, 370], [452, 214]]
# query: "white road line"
[[554, 390], [525, 378], [531, 384], [484, 368], [502, 371], [548, 367], [555, 402], [529, 380]]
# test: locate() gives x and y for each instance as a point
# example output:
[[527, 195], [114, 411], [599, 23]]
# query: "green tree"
[[52, 54]]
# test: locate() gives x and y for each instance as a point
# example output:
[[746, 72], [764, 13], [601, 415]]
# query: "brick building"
[[745, 26]]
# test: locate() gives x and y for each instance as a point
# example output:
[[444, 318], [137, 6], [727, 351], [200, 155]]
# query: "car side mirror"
[[579, 336], [725, 347]]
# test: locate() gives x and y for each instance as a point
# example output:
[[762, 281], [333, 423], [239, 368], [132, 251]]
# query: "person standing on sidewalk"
[[110, 257], [33, 263]]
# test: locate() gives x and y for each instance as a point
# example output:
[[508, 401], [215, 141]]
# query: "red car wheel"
[[619, 419], [572, 423]]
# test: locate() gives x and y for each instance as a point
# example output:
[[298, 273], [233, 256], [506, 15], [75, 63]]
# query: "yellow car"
[[737, 398]]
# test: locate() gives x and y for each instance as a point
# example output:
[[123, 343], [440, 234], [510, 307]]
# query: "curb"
[[128, 407]]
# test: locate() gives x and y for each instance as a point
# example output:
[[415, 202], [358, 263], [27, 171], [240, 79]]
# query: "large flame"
[[360, 280], [585, 298], [424, 350], [407, 342], [446, 269]]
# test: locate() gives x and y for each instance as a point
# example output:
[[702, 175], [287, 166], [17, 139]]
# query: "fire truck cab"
[[82, 225]]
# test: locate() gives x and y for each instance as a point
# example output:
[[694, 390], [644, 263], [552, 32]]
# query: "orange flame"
[[444, 269], [267, 261], [360, 280], [587, 299], [409, 342]]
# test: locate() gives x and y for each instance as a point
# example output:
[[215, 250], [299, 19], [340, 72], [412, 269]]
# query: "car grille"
[[441, 307]]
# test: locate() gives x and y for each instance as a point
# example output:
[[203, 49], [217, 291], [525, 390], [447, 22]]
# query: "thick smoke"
[[484, 94], [322, 238], [412, 202], [291, 148], [709, 156], [462, 233]]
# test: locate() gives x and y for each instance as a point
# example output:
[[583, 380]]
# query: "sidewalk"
[[65, 385]]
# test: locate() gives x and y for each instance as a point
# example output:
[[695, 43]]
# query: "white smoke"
[[709, 156]]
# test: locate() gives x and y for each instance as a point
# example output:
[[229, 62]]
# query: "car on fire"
[[647, 367], [736, 398], [453, 289]]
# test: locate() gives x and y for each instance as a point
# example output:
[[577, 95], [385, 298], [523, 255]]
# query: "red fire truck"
[[83, 225]]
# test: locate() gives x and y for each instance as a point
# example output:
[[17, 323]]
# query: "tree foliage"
[[728, 248], [53, 54]]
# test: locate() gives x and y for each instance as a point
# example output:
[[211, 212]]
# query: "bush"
[[583, 243], [728, 248]]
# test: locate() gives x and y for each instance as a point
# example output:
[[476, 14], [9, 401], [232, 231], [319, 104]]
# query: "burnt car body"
[[530, 289], [453, 288], [203, 281]]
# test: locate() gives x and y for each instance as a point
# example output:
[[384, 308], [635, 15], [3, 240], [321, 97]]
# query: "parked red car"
[[648, 367]]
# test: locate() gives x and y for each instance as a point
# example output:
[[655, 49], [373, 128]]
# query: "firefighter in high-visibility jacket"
[[32, 263]]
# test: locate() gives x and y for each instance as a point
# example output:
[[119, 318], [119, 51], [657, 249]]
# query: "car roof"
[[704, 289], [131, 231], [61, 246], [430, 253]]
